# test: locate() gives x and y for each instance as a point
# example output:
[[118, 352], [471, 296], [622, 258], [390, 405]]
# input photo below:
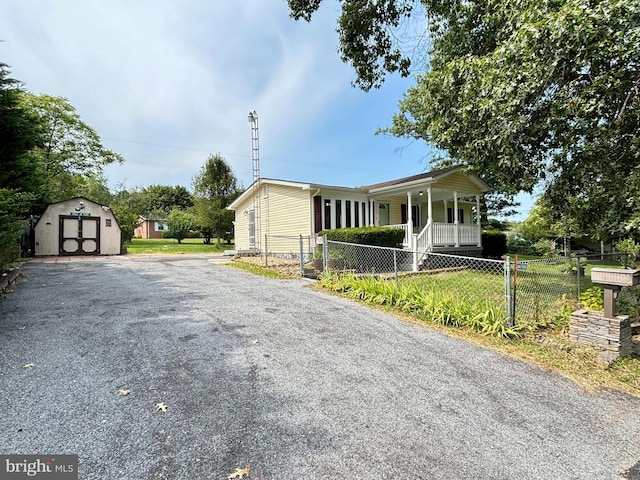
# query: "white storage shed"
[[77, 226]]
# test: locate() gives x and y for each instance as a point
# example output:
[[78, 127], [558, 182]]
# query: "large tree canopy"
[[21, 179], [71, 147], [215, 187], [523, 92], [20, 133]]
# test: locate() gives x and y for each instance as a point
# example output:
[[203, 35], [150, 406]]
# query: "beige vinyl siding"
[[467, 213], [288, 211], [241, 227], [458, 182], [439, 214]]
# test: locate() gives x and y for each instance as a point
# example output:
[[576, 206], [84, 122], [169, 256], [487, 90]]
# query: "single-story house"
[[77, 226], [150, 227], [438, 210]]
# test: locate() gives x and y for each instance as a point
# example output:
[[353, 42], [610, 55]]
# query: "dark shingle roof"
[[412, 178]]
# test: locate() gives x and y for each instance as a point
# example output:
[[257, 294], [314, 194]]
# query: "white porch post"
[[373, 212], [409, 229], [455, 219], [429, 220], [478, 220], [367, 214]]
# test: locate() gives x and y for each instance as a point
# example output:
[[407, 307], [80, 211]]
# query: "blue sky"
[[167, 83]]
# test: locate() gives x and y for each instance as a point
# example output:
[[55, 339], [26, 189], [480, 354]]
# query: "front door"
[[383, 214], [79, 235]]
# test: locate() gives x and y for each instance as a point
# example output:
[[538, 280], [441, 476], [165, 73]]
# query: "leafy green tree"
[[164, 198], [158, 200], [524, 93], [92, 186], [180, 223], [537, 225], [127, 219], [20, 133], [71, 147], [13, 205], [215, 187], [21, 181]]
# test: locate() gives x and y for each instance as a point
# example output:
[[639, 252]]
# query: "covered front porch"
[[437, 212], [440, 235]]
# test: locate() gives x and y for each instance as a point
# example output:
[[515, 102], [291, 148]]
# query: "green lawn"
[[170, 245]]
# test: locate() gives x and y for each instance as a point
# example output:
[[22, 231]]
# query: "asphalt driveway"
[[269, 374]]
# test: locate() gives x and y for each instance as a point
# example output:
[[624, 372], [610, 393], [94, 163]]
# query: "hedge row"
[[494, 243], [375, 236]]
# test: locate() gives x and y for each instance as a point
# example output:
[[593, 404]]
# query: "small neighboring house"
[[77, 226], [150, 227], [437, 210]]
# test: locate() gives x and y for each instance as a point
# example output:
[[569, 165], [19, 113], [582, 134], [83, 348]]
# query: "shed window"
[[107, 222]]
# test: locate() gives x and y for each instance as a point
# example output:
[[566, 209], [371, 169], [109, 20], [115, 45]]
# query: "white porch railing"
[[468, 235], [444, 235]]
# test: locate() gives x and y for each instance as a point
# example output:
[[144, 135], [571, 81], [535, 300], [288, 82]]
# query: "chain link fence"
[[534, 292], [545, 288], [531, 292], [296, 251], [470, 279]]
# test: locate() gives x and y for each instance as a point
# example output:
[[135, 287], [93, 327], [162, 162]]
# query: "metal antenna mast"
[[255, 157], [255, 145]]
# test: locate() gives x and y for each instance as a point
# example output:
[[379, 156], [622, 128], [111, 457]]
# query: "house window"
[[338, 213], [327, 214], [365, 221], [265, 191], [347, 207], [415, 214], [356, 212], [160, 226], [450, 218]]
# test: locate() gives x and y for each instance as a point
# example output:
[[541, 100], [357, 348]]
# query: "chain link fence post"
[[301, 257], [507, 289], [325, 253], [266, 255], [395, 265]]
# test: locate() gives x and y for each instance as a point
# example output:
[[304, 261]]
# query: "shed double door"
[[79, 235]]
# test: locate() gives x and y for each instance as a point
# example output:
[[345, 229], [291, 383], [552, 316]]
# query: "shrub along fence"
[[531, 292], [527, 292]]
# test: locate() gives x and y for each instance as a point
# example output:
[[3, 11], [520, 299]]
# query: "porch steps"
[[250, 252]]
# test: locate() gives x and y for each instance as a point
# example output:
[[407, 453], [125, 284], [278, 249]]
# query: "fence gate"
[[79, 235]]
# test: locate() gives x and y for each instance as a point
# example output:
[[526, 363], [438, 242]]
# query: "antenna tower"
[[255, 160]]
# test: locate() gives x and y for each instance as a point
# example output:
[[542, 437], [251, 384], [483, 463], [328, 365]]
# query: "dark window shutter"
[[403, 213], [317, 214]]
